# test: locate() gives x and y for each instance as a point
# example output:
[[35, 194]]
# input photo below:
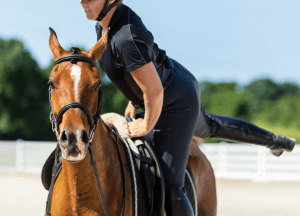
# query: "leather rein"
[[93, 120]]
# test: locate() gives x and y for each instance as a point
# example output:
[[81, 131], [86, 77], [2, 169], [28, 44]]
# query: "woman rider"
[[169, 96]]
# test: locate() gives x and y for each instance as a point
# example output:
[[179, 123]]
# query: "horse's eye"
[[98, 86], [51, 84]]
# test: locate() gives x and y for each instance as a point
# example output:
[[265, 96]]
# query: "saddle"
[[149, 190]]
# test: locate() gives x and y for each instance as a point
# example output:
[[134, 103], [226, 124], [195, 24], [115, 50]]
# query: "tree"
[[226, 99], [22, 99]]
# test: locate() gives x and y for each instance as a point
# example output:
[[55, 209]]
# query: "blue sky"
[[217, 40]]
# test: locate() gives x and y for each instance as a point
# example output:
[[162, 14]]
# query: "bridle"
[[93, 120]]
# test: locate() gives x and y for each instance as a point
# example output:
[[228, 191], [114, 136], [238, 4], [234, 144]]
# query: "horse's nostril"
[[85, 137], [64, 139]]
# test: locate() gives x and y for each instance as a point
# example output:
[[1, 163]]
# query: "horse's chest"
[[69, 201]]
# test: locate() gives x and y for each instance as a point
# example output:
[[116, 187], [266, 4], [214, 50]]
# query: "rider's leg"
[[238, 130], [172, 139], [173, 134], [173, 159]]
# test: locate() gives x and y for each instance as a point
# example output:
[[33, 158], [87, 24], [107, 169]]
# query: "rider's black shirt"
[[130, 46]]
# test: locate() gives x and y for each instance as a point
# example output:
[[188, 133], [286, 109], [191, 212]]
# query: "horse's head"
[[75, 88]]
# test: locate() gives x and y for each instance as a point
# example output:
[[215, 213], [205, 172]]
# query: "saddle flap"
[[152, 181]]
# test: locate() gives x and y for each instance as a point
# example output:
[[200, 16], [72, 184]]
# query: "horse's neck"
[[80, 177]]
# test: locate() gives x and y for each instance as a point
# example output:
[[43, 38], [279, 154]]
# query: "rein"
[[93, 120]]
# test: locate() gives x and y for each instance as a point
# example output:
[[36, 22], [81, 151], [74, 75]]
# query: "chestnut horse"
[[75, 191]]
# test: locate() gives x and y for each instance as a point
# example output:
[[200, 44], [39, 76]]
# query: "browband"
[[74, 58]]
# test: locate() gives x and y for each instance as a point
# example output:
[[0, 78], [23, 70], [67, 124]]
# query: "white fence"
[[252, 162], [22, 156], [230, 161]]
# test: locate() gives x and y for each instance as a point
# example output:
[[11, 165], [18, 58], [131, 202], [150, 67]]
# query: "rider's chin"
[[90, 15]]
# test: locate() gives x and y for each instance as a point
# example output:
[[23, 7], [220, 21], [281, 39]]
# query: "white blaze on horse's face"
[[75, 75]]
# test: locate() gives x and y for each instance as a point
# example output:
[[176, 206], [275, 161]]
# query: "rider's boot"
[[238, 130], [177, 203]]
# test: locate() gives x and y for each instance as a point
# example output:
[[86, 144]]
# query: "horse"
[[74, 87]]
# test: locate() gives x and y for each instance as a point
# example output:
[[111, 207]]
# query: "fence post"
[[20, 155], [261, 164], [222, 166]]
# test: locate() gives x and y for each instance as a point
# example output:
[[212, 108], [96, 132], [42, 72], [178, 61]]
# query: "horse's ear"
[[96, 51], [54, 45]]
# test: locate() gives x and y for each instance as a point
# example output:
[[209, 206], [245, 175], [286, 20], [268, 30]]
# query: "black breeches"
[[175, 127]]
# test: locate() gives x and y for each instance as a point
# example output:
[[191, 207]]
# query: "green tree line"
[[24, 104]]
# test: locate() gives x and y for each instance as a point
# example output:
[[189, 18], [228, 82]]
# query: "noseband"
[[93, 120]]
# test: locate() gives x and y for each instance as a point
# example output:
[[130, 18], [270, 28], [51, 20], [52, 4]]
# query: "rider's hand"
[[130, 110], [137, 128]]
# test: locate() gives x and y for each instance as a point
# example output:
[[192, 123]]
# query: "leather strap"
[[122, 167], [74, 58], [107, 8], [97, 178], [74, 105]]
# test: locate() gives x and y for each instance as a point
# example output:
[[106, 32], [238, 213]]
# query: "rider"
[[169, 95]]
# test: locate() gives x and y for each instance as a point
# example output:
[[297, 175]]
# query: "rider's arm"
[[148, 80]]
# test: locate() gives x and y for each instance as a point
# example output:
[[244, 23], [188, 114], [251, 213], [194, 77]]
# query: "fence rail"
[[252, 162], [230, 161]]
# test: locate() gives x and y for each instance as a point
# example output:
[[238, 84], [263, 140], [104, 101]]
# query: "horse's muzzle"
[[74, 144]]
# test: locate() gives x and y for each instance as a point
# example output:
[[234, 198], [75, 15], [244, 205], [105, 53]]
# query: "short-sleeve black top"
[[130, 46]]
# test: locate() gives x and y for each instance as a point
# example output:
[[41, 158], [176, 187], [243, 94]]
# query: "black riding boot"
[[177, 203], [238, 130]]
